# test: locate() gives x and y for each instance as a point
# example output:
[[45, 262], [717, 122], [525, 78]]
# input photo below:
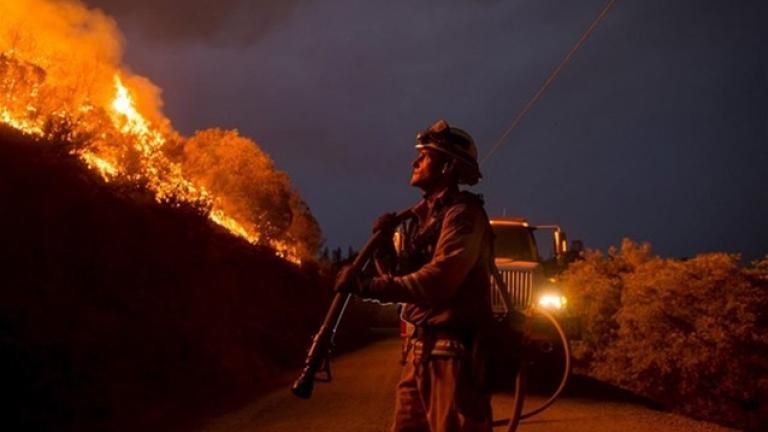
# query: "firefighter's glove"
[[350, 282], [386, 224], [347, 281]]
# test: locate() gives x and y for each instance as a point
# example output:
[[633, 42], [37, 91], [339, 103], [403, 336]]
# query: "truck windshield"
[[515, 242]]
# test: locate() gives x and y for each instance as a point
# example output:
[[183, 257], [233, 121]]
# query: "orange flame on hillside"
[[60, 78]]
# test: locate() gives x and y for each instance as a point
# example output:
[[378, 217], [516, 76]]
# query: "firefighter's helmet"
[[456, 143]]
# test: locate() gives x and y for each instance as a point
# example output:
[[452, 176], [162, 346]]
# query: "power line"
[[552, 76]]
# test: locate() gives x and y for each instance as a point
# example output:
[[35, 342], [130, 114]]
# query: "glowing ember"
[[107, 170], [25, 126], [232, 225]]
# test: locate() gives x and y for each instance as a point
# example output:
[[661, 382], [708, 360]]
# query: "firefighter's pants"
[[427, 394]]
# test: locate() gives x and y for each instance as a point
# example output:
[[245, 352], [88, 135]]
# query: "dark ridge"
[[117, 313]]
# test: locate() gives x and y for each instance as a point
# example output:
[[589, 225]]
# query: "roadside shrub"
[[691, 334]]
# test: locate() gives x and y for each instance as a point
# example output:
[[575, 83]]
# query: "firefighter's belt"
[[441, 348]]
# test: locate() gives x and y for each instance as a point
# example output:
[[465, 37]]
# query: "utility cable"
[[552, 76]]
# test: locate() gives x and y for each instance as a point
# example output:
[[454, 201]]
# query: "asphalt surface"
[[361, 399]]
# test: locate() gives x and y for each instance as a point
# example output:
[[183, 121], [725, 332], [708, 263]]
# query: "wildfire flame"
[[133, 123], [27, 127], [42, 95]]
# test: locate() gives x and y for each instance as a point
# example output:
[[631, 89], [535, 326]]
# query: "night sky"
[[658, 130]]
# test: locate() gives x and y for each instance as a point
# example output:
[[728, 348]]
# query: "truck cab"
[[528, 277]]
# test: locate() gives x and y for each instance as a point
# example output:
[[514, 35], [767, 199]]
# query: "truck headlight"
[[552, 301]]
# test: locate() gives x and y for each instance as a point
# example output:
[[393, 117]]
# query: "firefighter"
[[442, 276]]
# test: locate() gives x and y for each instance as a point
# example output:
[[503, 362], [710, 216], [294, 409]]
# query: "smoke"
[[76, 48], [225, 22]]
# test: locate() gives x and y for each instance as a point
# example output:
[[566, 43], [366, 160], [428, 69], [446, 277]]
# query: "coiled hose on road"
[[519, 395]]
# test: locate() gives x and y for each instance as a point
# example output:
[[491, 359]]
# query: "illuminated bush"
[[691, 334], [250, 188]]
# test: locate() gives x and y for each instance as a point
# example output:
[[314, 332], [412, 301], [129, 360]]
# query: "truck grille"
[[519, 289]]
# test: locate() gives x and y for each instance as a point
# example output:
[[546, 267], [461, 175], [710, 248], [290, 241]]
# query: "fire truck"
[[530, 279]]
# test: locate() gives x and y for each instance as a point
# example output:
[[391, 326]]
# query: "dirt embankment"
[[117, 313]]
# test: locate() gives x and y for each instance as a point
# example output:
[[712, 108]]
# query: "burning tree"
[[248, 188]]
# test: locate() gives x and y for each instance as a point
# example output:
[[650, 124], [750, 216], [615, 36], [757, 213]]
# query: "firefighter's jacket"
[[444, 265]]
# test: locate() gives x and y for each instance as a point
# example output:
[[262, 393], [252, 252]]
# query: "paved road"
[[360, 399]]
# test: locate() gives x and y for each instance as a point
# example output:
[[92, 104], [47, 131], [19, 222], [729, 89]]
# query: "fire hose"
[[520, 380], [519, 394], [318, 356]]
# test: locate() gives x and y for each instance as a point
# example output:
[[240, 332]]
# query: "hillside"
[[118, 313]]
